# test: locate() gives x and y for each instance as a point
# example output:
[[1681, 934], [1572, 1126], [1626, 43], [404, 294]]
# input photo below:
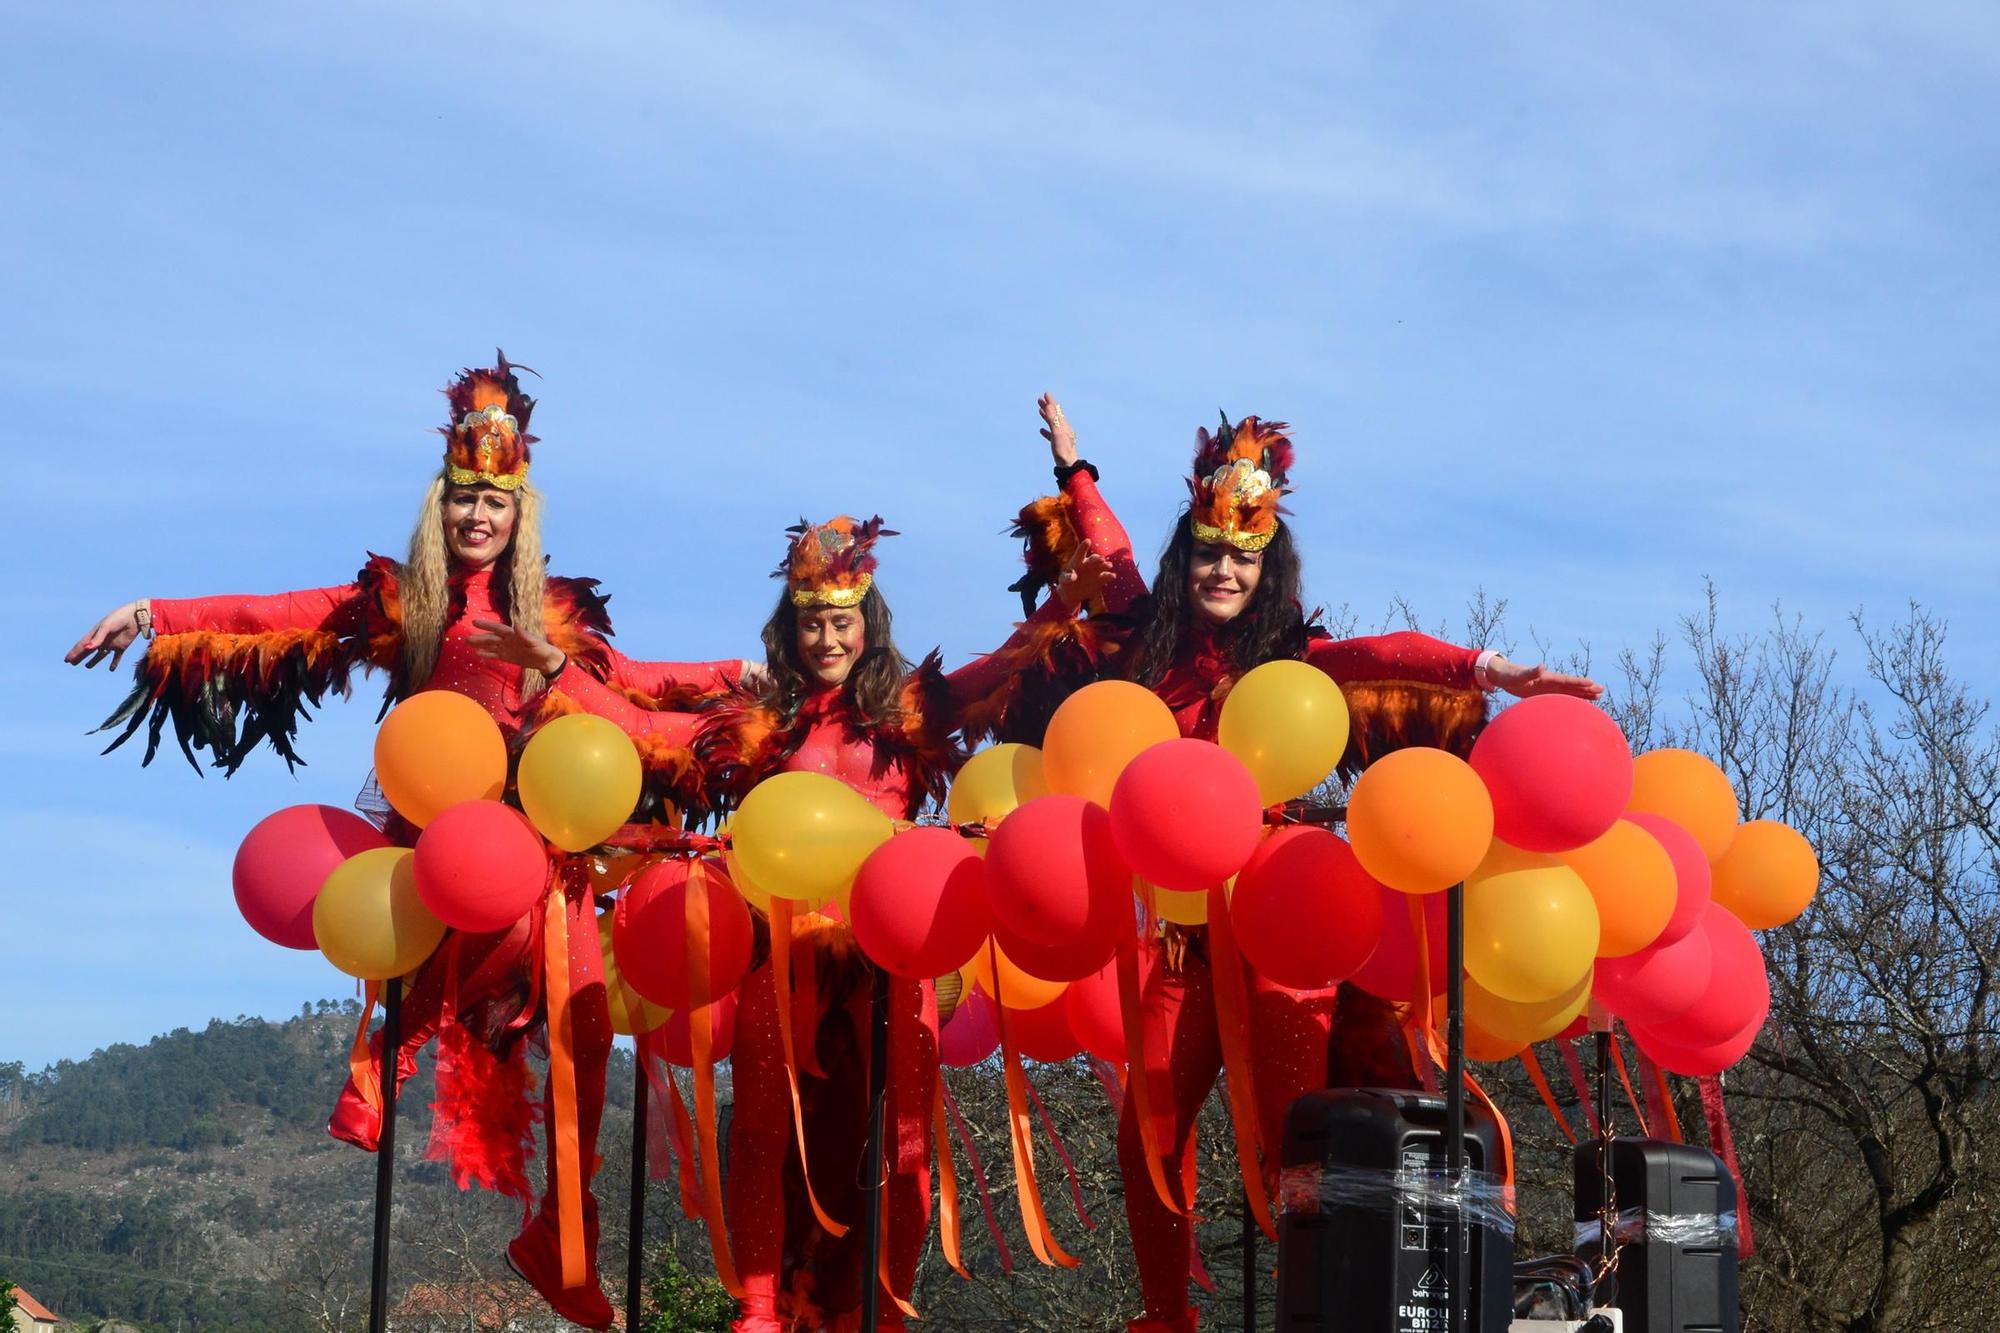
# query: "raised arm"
[[1095, 524]]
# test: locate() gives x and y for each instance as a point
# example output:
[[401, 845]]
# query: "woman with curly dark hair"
[[1226, 598]]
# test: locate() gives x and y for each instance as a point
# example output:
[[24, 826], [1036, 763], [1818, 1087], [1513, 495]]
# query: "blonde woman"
[[230, 672]]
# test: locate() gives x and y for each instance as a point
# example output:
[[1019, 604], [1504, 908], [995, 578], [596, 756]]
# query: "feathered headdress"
[[831, 563], [1239, 475], [486, 440]]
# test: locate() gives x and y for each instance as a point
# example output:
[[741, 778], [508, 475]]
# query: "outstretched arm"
[[1410, 656], [525, 648], [657, 680], [315, 608]]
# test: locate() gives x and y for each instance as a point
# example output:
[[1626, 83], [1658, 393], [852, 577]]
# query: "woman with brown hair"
[[1227, 597]]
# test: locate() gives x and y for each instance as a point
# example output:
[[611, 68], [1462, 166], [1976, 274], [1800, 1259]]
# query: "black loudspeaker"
[[1362, 1244], [1674, 1231]]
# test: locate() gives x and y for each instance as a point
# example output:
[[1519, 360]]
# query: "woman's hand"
[[1083, 577], [110, 637], [755, 677], [1527, 681], [524, 648], [1056, 430]]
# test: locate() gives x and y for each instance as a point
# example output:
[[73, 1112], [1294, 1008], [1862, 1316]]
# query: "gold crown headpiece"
[[486, 440], [1239, 476], [831, 563]]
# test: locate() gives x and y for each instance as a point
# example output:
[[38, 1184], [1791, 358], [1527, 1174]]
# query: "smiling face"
[[478, 524], [1222, 580], [831, 640]]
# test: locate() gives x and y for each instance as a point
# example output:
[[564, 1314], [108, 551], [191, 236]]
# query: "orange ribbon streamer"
[[1541, 1080], [1618, 1059], [1232, 1019], [564, 1134], [701, 1039], [781, 981], [1033, 1220], [1136, 1080], [361, 1066], [950, 1234]]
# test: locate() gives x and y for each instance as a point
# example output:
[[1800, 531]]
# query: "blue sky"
[[1578, 304]]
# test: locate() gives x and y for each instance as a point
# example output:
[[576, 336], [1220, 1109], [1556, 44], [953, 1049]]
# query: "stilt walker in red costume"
[[836, 697], [230, 672], [1227, 598]]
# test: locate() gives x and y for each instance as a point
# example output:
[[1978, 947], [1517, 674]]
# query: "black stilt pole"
[[635, 1216], [385, 1154], [1607, 1209], [1249, 1268], [878, 1082], [1454, 1101]]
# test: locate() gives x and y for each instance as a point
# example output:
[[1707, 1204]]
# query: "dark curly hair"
[[1271, 628], [875, 684]]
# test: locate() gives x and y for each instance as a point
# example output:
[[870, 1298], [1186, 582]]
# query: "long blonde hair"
[[424, 583]]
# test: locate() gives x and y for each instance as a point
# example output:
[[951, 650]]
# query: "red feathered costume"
[[794, 1272], [1403, 688], [231, 671]]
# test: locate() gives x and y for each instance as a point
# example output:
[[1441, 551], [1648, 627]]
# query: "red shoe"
[[536, 1260]]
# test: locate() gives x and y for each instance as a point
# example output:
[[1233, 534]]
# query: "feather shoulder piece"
[[1044, 664]]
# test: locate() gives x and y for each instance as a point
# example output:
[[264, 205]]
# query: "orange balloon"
[[1631, 877], [1097, 731], [435, 749], [1420, 819], [1690, 790], [1768, 876], [1022, 991]]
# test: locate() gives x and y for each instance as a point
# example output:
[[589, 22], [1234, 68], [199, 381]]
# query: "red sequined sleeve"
[[592, 695], [1403, 656], [336, 609], [1107, 536], [656, 680]]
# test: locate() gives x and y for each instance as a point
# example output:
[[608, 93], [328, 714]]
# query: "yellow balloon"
[[1511, 1020], [631, 1012], [579, 780], [1530, 930], [369, 920], [804, 835], [995, 781], [1287, 721]]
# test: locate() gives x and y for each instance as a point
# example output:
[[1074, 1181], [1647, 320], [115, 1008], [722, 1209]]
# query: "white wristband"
[[1480, 678]]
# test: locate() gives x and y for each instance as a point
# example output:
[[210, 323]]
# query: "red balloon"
[[1738, 987], [971, 1033], [649, 933], [1054, 875], [1186, 814], [480, 866], [1559, 771], [1698, 1061], [284, 860], [1577, 1026], [919, 903], [1063, 962], [1657, 984], [1391, 971], [1306, 914], [1042, 1034], [677, 1043], [1693, 879], [1096, 1016]]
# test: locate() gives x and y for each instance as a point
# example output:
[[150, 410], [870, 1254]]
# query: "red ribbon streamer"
[[978, 1175]]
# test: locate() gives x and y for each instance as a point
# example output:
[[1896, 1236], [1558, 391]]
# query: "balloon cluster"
[[311, 876]]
